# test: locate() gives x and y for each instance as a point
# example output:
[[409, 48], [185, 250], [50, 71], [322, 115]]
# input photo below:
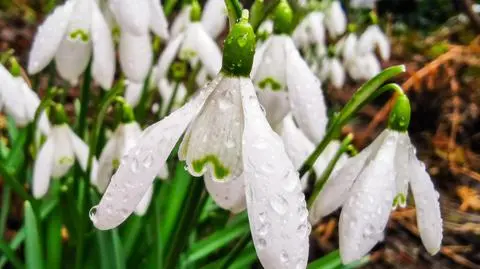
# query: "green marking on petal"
[[399, 200], [219, 170], [65, 160], [79, 34], [115, 163], [274, 85], [187, 54]]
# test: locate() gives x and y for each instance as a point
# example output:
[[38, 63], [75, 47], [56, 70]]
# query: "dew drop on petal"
[[279, 204], [148, 160], [134, 166], [92, 214], [261, 243], [284, 257]]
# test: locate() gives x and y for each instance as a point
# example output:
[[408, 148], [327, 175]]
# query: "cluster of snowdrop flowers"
[[58, 154], [69, 35], [377, 179], [344, 52], [284, 81], [230, 141], [18, 100]]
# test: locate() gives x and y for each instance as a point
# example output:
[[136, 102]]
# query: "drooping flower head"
[[229, 140], [284, 81], [69, 35], [58, 154], [373, 181], [19, 101]]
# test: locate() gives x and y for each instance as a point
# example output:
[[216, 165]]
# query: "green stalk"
[[10, 255], [6, 196], [33, 248], [172, 99], [15, 185], [328, 170], [241, 244], [142, 109], [358, 100], [189, 217], [84, 100], [54, 242], [234, 9]]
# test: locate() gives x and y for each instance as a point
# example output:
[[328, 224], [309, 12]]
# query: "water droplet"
[[242, 41], [303, 230], [284, 257], [261, 243], [134, 166], [92, 214], [229, 144], [148, 159], [262, 216], [263, 229], [279, 204]]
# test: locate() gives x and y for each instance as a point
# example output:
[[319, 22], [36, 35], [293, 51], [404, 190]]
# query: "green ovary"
[[400, 199], [79, 34], [274, 85], [219, 170], [187, 54], [65, 160]]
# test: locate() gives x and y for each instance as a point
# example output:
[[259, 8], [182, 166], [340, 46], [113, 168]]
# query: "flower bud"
[[399, 118], [283, 18]]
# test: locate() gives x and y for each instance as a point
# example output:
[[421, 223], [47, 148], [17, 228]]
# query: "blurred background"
[[439, 42]]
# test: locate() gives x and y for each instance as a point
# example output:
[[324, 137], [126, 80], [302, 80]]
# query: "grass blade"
[[33, 248]]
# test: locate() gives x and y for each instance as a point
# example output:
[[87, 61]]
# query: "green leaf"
[[10, 255], [330, 261], [54, 240], [33, 248], [117, 250], [216, 241], [244, 260]]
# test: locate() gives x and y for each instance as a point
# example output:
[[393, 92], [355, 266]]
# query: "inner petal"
[[214, 140]]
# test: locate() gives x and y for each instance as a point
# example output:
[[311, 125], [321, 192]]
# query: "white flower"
[[285, 83], [214, 17], [138, 17], [135, 49], [193, 45], [19, 101], [333, 71], [69, 34], [122, 140], [370, 39], [335, 19], [228, 139], [299, 147], [311, 31], [369, 184], [56, 156], [133, 92], [181, 21]]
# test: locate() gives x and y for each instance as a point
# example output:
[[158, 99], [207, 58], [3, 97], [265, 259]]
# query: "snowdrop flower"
[[19, 101], [374, 37], [181, 21], [135, 49], [311, 31], [193, 46], [335, 19], [121, 141], [133, 92], [57, 155], [364, 67], [69, 35], [285, 83], [299, 147], [371, 182], [214, 17], [228, 139], [332, 70]]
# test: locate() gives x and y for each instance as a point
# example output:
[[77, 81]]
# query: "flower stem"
[[237, 249], [358, 100], [234, 9], [85, 96], [328, 171], [172, 99]]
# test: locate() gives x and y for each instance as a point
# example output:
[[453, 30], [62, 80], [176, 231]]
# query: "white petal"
[[105, 164], [181, 21], [80, 149], [139, 167], [337, 74], [297, 145], [349, 47], [306, 97], [63, 156], [42, 170], [269, 79], [214, 17], [164, 173], [276, 205], [366, 211], [371, 38], [167, 57], [199, 42], [336, 189], [402, 166], [133, 93], [133, 16], [72, 58], [228, 195], [14, 93], [429, 220], [214, 140], [158, 21], [103, 65], [48, 37], [327, 155], [166, 90], [142, 206], [135, 55], [335, 19]]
